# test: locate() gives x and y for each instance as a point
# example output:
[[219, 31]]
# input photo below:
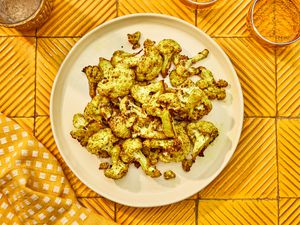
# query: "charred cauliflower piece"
[[98, 109], [167, 145], [184, 67], [185, 145], [132, 148], [150, 63], [148, 97], [187, 164], [124, 58], [120, 126], [134, 39], [94, 75], [172, 150], [175, 79], [149, 127], [117, 81], [129, 108], [202, 133], [143, 94], [151, 154], [154, 108], [103, 140], [167, 123], [83, 129], [168, 48], [104, 166], [79, 121], [118, 168], [213, 89], [169, 100], [169, 174], [194, 104]]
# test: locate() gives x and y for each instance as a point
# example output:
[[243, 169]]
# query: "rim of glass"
[[201, 3], [261, 36], [31, 17]]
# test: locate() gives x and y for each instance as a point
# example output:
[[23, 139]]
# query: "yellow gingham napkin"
[[33, 188]]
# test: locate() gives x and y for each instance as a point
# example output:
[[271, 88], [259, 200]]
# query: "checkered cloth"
[[33, 188]]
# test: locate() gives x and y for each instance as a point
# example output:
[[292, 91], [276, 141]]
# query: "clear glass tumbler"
[[24, 14], [198, 4], [275, 22]]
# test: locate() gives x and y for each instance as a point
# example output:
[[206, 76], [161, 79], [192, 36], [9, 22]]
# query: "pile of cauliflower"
[[135, 118]]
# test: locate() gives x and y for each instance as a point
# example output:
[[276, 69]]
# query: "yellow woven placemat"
[[261, 184]]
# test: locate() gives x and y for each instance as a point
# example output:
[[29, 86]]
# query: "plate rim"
[[162, 16]]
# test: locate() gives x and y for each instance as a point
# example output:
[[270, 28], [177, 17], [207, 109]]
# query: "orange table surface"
[[260, 185]]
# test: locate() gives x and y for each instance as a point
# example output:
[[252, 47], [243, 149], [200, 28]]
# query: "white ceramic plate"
[[70, 96]]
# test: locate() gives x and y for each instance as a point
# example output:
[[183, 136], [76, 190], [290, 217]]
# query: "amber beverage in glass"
[[275, 22]]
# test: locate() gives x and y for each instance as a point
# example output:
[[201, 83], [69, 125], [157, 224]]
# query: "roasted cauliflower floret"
[[134, 39], [132, 148], [150, 63], [103, 140], [129, 108], [201, 133], [172, 150], [168, 48], [169, 174], [118, 168], [117, 81], [98, 109], [94, 75], [185, 145], [120, 126], [169, 100], [167, 145], [149, 127], [175, 79], [194, 104], [104, 65], [126, 59], [154, 108], [167, 123], [212, 88], [187, 164], [143, 94], [151, 154], [104, 166], [83, 129], [184, 67], [79, 121]]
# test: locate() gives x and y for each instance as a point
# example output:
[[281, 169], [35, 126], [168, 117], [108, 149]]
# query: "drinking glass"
[[24, 14], [198, 4], [275, 22]]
